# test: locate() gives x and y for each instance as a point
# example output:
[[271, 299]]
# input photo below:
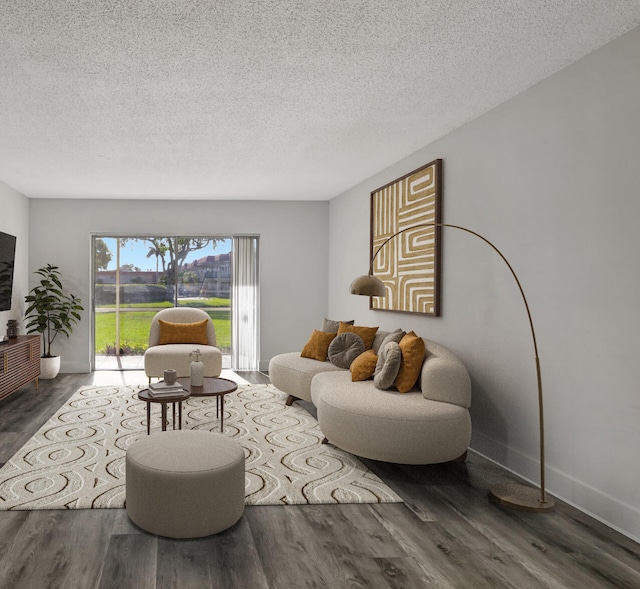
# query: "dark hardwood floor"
[[446, 534]]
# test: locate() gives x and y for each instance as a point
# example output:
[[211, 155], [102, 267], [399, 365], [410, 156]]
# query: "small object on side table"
[[170, 376], [12, 329], [196, 369]]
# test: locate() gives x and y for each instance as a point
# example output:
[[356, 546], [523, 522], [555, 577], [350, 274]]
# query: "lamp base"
[[520, 497]]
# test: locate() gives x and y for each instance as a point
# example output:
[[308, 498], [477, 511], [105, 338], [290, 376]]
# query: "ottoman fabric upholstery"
[[185, 484]]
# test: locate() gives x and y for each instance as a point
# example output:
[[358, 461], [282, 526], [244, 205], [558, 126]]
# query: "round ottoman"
[[185, 484]]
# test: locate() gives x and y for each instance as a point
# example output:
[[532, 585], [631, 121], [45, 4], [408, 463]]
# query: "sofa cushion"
[[344, 349], [178, 356], [318, 345], [363, 367], [383, 425], [183, 333], [366, 333], [387, 366], [293, 374], [331, 326], [413, 351]]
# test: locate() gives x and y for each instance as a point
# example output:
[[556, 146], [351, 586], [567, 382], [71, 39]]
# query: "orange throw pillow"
[[366, 333], [363, 366], [183, 333], [413, 351], [318, 345]]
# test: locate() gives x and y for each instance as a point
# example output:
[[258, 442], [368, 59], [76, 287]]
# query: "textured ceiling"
[[262, 99]]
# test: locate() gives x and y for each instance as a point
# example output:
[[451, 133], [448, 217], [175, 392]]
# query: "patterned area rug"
[[77, 459]]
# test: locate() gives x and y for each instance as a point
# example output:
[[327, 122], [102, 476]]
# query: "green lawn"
[[134, 330], [198, 303]]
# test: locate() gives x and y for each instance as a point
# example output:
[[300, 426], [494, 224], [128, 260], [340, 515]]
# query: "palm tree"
[[158, 249]]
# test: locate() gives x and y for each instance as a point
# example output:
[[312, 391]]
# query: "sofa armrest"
[[444, 377]]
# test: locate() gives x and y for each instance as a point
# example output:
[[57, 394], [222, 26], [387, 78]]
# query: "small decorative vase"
[[196, 371], [12, 328]]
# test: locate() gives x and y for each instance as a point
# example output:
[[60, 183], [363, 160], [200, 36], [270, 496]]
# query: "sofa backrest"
[[180, 315], [444, 377]]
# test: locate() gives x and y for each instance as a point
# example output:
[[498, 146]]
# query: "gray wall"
[[293, 250], [551, 177], [14, 219]]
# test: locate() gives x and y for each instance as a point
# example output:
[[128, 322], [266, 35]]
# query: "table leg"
[[164, 417], [148, 417], [221, 413], [217, 405], [173, 409], [179, 414]]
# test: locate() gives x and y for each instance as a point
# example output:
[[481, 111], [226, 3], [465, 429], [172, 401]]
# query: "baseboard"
[[603, 507]]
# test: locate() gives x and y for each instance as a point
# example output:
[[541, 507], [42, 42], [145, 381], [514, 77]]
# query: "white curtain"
[[245, 308]]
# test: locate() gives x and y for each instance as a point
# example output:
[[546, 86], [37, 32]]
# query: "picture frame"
[[408, 264]]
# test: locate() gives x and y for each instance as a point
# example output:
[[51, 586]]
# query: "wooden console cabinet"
[[19, 363]]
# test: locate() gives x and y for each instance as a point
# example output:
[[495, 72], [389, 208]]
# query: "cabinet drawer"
[[19, 363]]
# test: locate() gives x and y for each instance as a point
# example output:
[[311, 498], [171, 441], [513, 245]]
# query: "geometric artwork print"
[[409, 263]]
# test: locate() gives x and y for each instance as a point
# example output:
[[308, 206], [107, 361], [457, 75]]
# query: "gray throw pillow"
[[388, 366], [394, 336], [345, 348], [331, 326]]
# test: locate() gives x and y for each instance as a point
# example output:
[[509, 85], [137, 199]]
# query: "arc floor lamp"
[[513, 495]]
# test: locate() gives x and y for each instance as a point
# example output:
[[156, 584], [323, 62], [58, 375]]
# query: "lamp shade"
[[369, 286]]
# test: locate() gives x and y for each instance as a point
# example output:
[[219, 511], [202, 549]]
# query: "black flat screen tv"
[[7, 262]]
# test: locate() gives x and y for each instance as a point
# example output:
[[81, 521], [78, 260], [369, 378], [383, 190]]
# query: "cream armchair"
[[160, 357]]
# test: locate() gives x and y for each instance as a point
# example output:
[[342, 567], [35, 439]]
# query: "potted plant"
[[51, 311]]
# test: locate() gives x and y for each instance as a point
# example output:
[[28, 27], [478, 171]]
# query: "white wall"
[[293, 250], [14, 219], [551, 177]]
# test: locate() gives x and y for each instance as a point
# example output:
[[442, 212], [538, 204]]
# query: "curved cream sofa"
[[428, 425], [158, 358]]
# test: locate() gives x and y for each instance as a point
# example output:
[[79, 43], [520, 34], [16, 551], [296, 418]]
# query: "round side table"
[[212, 387], [145, 395]]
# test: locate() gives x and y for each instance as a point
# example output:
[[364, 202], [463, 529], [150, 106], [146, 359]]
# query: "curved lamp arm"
[[512, 495]]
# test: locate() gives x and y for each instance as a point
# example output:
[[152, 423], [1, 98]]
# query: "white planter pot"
[[49, 367]]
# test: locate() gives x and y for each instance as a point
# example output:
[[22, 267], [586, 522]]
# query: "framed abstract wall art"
[[409, 264]]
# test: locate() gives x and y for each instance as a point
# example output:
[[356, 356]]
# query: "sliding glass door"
[[135, 276]]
